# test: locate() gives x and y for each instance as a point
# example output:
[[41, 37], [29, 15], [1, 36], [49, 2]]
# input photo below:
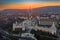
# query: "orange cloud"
[[27, 5]]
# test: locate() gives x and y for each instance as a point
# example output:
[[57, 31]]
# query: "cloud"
[[47, 0], [9, 1], [19, 1]]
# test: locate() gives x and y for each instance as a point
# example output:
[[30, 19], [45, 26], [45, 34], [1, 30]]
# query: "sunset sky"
[[27, 4]]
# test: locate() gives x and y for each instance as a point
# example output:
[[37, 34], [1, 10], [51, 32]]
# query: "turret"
[[53, 28]]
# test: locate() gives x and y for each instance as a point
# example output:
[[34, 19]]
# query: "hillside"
[[37, 11]]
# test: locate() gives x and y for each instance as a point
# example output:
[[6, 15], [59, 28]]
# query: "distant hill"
[[47, 10], [40, 10], [13, 11]]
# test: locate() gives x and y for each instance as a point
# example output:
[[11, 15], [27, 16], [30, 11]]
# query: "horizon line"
[[30, 8]]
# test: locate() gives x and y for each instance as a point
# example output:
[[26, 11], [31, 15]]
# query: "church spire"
[[53, 28], [53, 25]]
